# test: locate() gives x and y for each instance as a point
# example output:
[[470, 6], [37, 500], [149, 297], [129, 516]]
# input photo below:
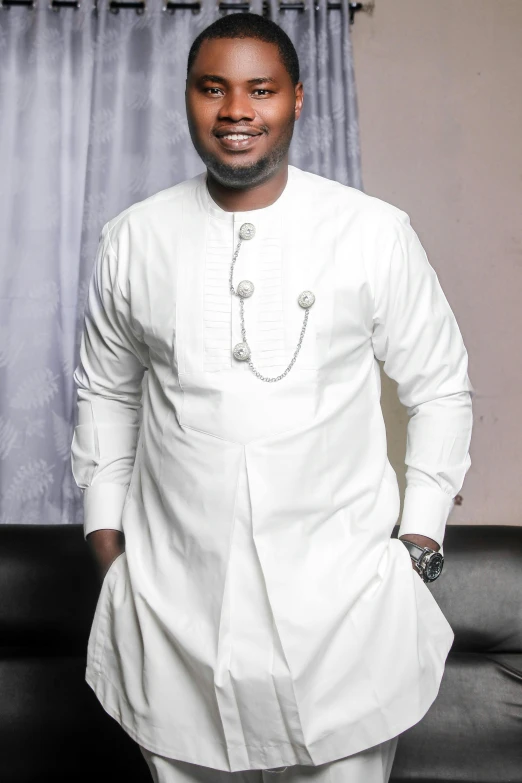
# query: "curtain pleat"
[[93, 119]]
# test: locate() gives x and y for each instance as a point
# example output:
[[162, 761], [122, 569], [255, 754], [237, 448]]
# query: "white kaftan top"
[[261, 615]]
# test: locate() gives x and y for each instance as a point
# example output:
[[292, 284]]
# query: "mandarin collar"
[[251, 215]]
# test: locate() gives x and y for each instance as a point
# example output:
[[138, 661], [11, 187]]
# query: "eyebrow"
[[210, 77]]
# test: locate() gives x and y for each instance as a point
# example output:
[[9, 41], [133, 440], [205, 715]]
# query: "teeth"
[[236, 136]]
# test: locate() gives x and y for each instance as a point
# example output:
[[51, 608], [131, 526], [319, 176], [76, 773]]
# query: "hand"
[[106, 545], [104, 567]]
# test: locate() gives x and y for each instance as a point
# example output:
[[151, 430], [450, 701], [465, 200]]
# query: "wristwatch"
[[427, 562]]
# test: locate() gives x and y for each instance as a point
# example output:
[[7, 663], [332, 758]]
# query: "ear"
[[299, 98]]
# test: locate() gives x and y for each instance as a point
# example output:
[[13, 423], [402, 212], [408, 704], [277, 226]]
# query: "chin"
[[243, 175]]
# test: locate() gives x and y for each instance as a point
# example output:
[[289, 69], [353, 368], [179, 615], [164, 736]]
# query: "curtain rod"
[[140, 6]]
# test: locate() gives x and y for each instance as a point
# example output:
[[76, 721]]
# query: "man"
[[255, 614]]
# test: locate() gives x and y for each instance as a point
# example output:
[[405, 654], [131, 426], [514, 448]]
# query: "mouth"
[[238, 141]]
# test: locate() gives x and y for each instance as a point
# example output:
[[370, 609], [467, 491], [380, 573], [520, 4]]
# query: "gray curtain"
[[92, 120]]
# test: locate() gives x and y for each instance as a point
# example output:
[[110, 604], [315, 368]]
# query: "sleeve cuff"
[[103, 507], [425, 512]]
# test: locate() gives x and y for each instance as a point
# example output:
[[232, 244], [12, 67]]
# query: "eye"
[[263, 90], [211, 88]]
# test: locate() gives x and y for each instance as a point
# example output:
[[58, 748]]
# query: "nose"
[[237, 106]]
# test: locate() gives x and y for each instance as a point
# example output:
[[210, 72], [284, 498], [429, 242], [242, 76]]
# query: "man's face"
[[240, 86]]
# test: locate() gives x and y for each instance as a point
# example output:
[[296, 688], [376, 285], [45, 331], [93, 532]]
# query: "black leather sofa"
[[52, 729]]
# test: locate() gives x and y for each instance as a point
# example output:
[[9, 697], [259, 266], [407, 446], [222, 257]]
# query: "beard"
[[237, 176]]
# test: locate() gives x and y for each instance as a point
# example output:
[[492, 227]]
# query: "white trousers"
[[372, 765]]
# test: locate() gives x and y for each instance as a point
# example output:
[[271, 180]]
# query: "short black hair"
[[248, 25]]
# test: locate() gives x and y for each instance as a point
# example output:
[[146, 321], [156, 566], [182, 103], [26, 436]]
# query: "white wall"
[[440, 103]]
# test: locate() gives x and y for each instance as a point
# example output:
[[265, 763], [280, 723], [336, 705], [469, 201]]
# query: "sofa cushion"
[[472, 732], [52, 728], [48, 589]]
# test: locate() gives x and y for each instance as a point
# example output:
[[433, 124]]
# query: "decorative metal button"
[[247, 231], [245, 289], [306, 299], [241, 352]]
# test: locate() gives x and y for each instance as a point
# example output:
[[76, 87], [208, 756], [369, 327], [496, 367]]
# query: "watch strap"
[[417, 555], [415, 550]]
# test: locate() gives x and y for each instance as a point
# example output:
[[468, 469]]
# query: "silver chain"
[[243, 332], [249, 361], [234, 259]]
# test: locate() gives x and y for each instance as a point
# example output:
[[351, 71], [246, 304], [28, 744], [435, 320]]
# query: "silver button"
[[245, 289], [247, 231], [241, 352], [306, 299]]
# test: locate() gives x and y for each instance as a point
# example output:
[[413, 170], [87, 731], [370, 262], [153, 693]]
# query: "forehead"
[[239, 59]]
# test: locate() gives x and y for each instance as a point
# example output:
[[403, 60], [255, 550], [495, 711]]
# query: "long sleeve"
[[417, 337], [108, 380]]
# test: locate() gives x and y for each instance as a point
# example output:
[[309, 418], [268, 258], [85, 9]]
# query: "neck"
[[246, 199]]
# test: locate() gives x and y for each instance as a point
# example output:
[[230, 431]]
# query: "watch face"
[[434, 566]]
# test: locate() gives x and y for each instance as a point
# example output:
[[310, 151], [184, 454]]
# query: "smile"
[[238, 141]]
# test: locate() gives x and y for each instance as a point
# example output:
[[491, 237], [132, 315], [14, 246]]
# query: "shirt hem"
[[329, 747]]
